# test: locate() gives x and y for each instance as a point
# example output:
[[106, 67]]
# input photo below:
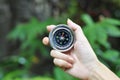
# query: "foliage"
[[18, 75], [60, 75], [29, 33], [28, 37], [98, 34], [117, 2]]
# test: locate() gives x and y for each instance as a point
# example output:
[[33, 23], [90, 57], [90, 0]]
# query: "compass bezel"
[[69, 31]]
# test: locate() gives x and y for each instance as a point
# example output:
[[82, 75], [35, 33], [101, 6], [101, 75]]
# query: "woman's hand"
[[79, 59]]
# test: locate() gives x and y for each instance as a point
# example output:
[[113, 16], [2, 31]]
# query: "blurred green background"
[[23, 25]]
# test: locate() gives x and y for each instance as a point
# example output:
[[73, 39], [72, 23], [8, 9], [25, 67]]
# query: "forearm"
[[101, 72]]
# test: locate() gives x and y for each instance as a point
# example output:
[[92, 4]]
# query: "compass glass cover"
[[61, 38]]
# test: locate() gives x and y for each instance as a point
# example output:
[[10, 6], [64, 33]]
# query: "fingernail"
[[69, 20]]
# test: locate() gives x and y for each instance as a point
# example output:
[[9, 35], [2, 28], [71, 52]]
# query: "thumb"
[[77, 30], [82, 46]]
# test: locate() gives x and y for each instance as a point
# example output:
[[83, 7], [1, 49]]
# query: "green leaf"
[[110, 25], [35, 78], [111, 55], [18, 32], [40, 78], [90, 33], [118, 73], [14, 74], [96, 36], [87, 19], [111, 21], [102, 36], [113, 31]]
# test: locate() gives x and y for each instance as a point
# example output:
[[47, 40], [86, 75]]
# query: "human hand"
[[79, 59]]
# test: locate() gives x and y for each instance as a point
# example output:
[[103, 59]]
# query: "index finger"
[[50, 27]]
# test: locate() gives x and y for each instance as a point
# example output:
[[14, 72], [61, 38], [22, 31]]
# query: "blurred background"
[[23, 25]]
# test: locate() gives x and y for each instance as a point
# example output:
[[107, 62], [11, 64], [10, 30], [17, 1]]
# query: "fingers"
[[50, 27], [45, 41], [61, 63], [69, 22], [62, 56], [72, 25], [77, 30], [62, 60]]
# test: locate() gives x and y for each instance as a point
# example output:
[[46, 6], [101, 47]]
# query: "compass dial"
[[61, 38]]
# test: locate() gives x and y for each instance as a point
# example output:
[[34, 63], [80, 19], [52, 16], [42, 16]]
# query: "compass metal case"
[[61, 38]]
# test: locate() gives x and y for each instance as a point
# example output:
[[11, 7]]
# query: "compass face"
[[61, 38]]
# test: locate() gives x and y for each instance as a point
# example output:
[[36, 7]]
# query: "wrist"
[[93, 65], [93, 68], [99, 71]]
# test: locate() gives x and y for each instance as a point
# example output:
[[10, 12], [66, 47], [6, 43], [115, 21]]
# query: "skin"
[[78, 61]]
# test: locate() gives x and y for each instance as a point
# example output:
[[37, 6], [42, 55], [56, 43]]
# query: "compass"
[[61, 38]]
